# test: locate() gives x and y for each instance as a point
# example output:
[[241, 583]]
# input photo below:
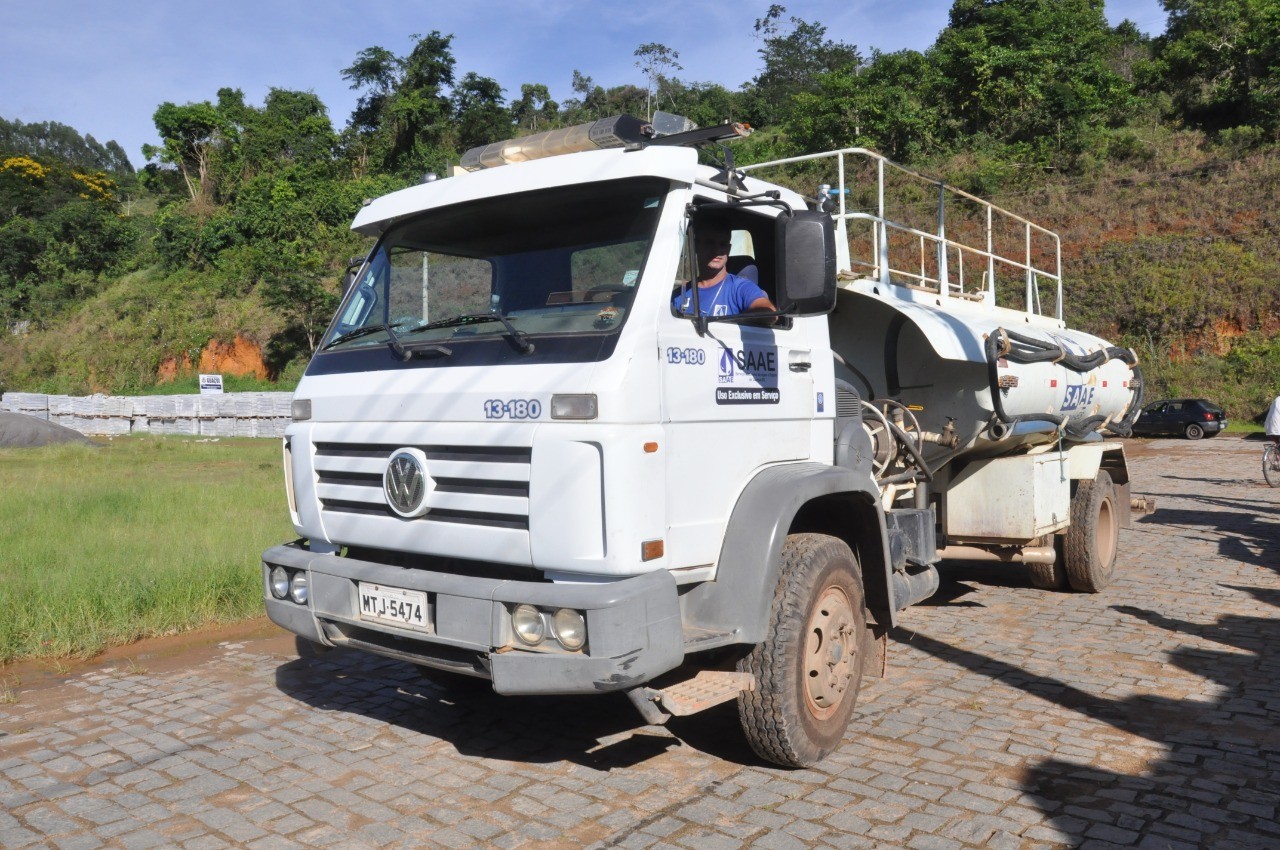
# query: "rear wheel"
[[1271, 465], [1092, 540], [1050, 576], [808, 670], [1193, 431]]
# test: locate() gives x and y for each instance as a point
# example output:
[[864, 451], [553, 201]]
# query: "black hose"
[[909, 444], [997, 402], [1025, 349], [1124, 428]]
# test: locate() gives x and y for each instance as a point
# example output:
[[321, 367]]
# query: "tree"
[[590, 103], [706, 104], [292, 127], [888, 105], [377, 71], [403, 120], [1220, 60], [481, 116], [793, 60], [535, 104], [653, 59], [1030, 71], [52, 139], [190, 134]]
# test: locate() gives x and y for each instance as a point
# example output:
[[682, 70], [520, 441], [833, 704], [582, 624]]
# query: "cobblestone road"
[[1145, 716]]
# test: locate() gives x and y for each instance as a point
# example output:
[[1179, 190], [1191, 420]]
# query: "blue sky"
[[103, 67]]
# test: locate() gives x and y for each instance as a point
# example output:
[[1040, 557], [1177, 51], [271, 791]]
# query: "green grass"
[[140, 537]]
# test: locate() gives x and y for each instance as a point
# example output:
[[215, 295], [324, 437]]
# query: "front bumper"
[[633, 625]]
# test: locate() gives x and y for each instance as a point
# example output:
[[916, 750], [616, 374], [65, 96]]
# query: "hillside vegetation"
[[1155, 158]]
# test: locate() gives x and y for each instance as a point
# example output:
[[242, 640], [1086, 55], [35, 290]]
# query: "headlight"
[[279, 582], [298, 588], [571, 406], [528, 624], [570, 628]]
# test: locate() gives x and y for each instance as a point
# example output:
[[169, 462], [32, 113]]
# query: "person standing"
[[1273, 421]]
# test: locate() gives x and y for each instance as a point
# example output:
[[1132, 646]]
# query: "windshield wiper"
[[359, 332], [521, 339], [413, 349]]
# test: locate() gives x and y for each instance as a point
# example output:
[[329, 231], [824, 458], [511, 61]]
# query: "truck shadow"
[[1249, 531], [1218, 783], [603, 732]]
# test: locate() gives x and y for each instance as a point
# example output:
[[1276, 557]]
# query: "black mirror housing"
[[806, 271], [349, 277]]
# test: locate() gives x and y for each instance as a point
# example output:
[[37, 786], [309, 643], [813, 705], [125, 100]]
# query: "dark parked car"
[[1193, 418]]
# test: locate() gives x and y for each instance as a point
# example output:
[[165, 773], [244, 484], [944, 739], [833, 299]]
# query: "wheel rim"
[[831, 652], [1108, 533], [1195, 432]]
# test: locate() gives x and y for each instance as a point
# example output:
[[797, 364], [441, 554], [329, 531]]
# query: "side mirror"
[[353, 266], [806, 272]]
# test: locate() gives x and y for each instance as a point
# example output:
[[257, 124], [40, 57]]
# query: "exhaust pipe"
[[1005, 554]]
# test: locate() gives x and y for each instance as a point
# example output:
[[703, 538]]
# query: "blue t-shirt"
[[729, 297]]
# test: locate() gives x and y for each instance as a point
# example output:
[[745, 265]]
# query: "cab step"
[[708, 688]]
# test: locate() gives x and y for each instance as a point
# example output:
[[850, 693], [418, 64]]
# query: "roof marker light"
[[616, 132]]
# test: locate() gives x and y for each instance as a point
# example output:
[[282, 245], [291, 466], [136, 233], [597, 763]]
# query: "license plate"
[[394, 605]]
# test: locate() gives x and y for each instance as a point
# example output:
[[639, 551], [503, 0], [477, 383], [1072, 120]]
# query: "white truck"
[[512, 459]]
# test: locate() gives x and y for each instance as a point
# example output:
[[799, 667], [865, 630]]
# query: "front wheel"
[[808, 670], [1194, 431], [1271, 464]]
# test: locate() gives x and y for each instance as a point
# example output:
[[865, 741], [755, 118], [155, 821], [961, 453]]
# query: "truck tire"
[[1050, 576], [1093, 538], [809, 668]]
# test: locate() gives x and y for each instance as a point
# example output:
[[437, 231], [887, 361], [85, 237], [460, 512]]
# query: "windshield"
[[505, 271]]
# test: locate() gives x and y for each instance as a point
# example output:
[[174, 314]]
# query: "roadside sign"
[[210, 385]]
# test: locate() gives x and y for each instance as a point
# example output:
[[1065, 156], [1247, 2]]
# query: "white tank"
[[942, 358]]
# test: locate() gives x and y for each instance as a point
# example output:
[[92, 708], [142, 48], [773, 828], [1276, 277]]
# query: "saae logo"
[[759, 365], [726, 367]]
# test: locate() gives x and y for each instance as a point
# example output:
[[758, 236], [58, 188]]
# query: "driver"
[[719, 293]]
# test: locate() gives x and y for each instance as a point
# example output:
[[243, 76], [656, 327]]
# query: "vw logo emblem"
[[407, 483]]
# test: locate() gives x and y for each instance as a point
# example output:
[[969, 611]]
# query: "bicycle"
[[1271, 464]]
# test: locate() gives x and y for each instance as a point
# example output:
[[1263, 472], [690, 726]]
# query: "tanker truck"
[[514, 462]]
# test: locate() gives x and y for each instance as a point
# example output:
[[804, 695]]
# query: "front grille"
[[475, 485]]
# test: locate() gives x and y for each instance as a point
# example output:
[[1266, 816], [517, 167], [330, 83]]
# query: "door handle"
[[800, 366]]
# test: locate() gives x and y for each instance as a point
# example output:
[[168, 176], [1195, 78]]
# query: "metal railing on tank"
[[876, 242]]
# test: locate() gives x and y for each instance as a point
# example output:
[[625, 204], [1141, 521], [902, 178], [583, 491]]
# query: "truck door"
[[735, 399]]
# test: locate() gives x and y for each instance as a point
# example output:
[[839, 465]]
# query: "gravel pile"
[[17, 430]]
